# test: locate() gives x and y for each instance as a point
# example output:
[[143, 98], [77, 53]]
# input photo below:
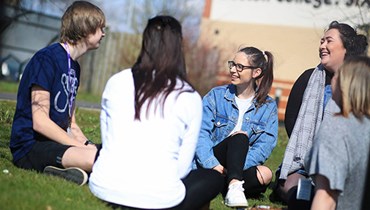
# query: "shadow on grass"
[[21, 189]]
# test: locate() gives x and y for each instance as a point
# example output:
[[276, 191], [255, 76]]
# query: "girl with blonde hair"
[[338, 159]]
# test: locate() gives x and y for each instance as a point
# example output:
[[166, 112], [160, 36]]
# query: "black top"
[[366, 197], [296, 97]]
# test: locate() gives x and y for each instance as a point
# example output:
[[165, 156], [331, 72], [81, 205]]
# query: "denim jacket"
[[220, 115]]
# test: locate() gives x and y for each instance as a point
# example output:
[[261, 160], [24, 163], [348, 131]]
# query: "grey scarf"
[[307, 124]]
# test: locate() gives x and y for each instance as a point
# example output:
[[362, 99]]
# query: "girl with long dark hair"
[[150, 123]]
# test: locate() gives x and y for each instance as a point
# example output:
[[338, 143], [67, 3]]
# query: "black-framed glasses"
[[239, 67]]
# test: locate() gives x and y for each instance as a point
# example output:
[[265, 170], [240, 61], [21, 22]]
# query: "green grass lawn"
[[8, 87], [21, 189]]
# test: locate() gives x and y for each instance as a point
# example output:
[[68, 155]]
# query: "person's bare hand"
[[220, 169]]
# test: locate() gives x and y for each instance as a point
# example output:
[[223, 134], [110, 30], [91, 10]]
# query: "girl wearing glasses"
[[240, 126]]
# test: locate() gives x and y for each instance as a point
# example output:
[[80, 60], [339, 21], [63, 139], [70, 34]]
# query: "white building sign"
[[300, 13]]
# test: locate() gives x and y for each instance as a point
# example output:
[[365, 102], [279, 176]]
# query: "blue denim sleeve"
[[204, 150], [263, 146]]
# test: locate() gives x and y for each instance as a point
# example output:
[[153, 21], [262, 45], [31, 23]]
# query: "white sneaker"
[[235, 195]]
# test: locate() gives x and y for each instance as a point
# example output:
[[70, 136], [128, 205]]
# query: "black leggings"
[[232, 153], [202, 185]]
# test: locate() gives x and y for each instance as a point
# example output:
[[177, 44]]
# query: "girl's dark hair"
[[355, 44], [160, 62], [265, 61]]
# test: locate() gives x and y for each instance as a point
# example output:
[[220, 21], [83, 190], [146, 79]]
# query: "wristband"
[[87, 142]]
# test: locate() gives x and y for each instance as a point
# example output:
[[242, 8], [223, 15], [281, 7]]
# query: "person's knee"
[[88, 165], [280, 191], [84, 164], [292, 181], [240, 141], [284, 190], [89, 162], [280, 186], [79, 157], [288, 188], [264, 175]]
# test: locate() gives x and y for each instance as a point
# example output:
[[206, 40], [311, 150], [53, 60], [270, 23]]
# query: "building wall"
[[294, 49], [22, 34]]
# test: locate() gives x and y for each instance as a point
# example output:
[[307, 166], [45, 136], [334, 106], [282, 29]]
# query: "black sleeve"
[[295, 100], [366, 196]]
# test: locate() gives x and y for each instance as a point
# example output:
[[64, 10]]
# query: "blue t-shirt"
[[48, 68]]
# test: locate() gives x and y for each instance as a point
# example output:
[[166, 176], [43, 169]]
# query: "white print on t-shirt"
[[66, 90]]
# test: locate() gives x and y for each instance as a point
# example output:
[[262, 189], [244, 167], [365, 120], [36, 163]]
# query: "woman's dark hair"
[[160, 63], [355, 44], [265, 61]]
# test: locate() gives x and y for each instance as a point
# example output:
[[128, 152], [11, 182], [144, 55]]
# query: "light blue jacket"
[[220, 115]]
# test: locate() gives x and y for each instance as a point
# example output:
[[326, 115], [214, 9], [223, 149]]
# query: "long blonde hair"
[[354, 79]]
